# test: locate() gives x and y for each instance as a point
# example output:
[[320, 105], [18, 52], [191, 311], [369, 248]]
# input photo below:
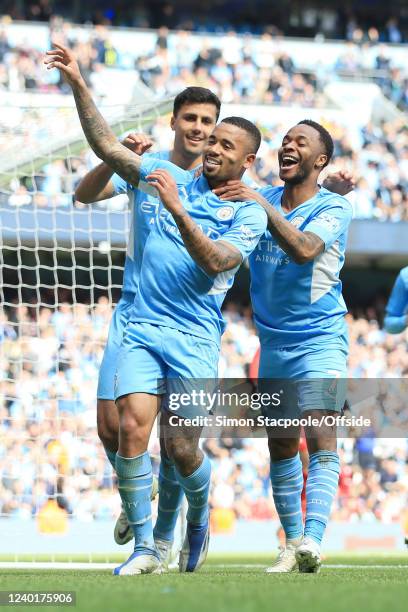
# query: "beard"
[[301, 175]]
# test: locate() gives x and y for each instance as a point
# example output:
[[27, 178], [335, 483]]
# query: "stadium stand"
[[244, 70], [351, 22], [249, 68], [49, 371]]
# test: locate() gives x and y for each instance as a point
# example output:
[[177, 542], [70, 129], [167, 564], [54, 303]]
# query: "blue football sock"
[[135, 485], [287, 485], [170, 501], [196, 488], [321, 487], [111, 455]]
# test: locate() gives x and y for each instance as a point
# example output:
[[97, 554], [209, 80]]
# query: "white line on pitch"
[[324, 565], [371, 566], [58, 565]]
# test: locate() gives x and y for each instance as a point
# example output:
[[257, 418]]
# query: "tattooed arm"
[[212, 256], [97, 184], [300, 246], [97, 132]]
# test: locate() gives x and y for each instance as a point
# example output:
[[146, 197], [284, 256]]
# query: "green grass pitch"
[[231, 584]]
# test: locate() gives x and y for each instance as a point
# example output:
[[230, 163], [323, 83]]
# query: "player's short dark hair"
[[249, 127], [325, 137], [196, 95]]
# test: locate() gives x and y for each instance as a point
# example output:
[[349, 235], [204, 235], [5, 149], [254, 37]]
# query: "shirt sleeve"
[[247, 228], [119, 184], [332, 221], [150, 164], [270, 193], [396, 318]]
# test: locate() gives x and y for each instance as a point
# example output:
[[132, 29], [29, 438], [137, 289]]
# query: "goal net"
[[61, 266]]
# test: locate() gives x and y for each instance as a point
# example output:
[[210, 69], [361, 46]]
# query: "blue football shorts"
[[120, 319], [163, 361], [311, 376]]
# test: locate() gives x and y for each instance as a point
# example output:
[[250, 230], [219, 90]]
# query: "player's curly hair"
[[196, 95], [325, 137]]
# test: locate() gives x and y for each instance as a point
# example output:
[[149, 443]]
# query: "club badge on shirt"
[[225, 212]]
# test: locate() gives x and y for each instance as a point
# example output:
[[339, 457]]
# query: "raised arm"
[[96, 184], [212, 256], [97, 132], [300, 246]]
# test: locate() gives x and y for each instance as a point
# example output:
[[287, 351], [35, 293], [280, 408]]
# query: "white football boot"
[[286, 560], [139, 564], [308, 556], [164, 548]]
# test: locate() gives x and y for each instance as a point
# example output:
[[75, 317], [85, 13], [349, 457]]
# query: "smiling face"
[[227, 154], [192, 126], [301, 154]]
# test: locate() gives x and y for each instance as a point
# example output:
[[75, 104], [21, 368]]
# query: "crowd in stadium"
[[243, 69], [48, 368], [307, 20]]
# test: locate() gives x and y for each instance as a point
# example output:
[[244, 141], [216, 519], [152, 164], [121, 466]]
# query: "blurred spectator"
[[393, 33]]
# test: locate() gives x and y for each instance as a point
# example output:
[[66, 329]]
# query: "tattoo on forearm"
[[314, 241], [293, 241], [225, 258], [103, 141], [213, 257]]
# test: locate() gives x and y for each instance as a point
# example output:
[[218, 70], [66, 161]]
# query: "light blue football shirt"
[[397, 307], [173, 290], [294, 303], [144, 205]]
